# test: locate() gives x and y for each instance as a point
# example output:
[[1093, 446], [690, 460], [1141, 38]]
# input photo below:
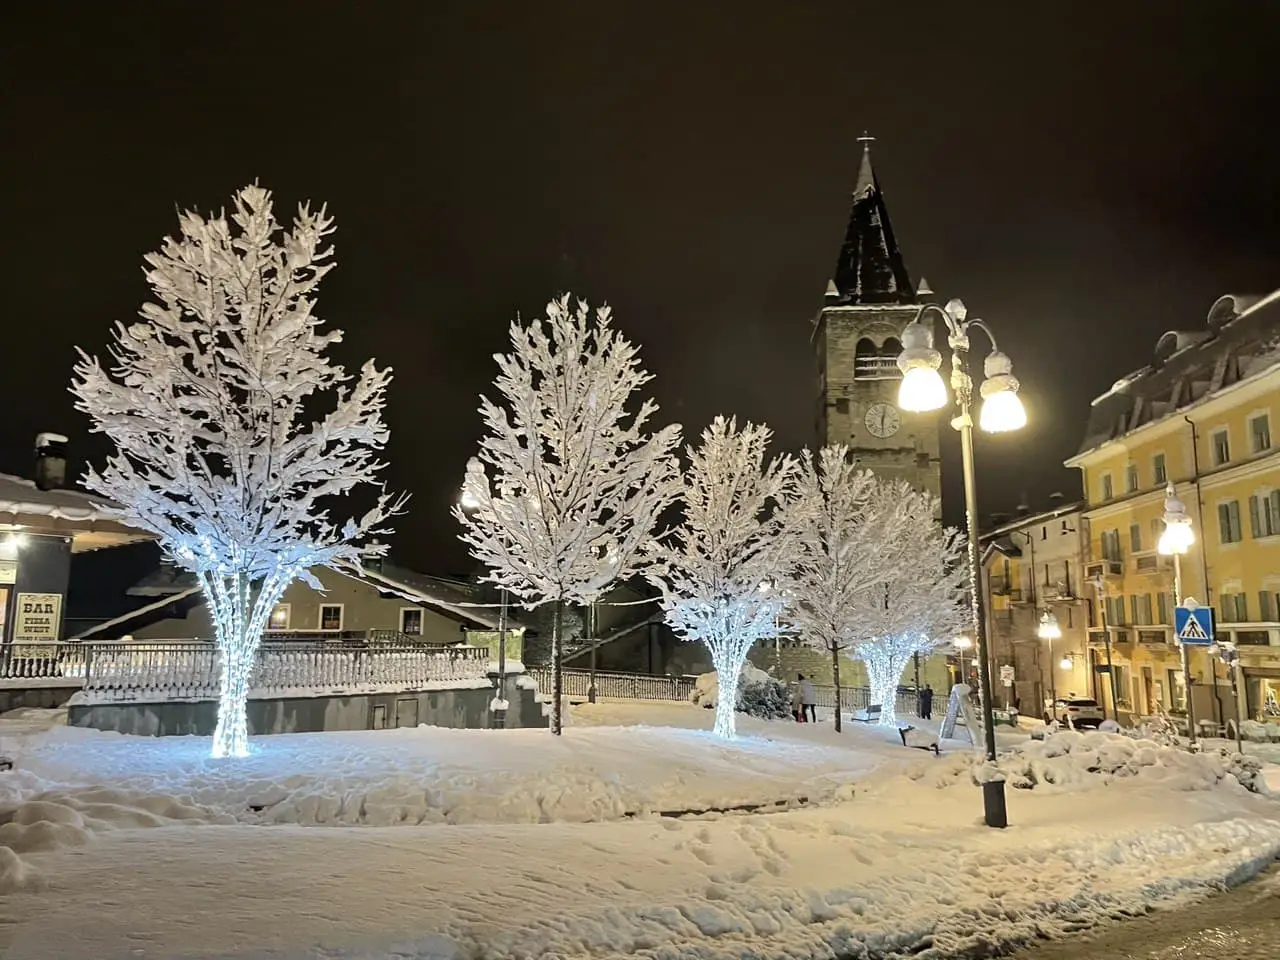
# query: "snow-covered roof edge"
[[133, 614]]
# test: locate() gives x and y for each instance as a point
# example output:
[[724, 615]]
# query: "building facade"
[[858, 336], [1031, 566], [1199, 416]]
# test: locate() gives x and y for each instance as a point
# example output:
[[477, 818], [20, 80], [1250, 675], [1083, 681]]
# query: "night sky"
[[1083, 179]]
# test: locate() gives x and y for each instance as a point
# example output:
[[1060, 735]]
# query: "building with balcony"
[[1200, 416], [1031, 566]]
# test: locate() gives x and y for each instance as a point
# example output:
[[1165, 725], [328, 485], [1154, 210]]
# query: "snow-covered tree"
[[921, 605], [577, 484], [233, 432], [846, 527], [716, 569]]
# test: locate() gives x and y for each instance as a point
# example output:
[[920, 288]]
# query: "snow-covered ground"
[[517, 844]]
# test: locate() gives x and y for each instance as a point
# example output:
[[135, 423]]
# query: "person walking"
[[797, 704], [808, 700], [926, 703]]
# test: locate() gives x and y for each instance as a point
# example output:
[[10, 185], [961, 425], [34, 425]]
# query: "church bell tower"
[[858, 337]]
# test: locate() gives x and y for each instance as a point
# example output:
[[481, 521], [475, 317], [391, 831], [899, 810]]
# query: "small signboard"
[[1193, 625], [1006, 675], [37, 617], [958, 706]]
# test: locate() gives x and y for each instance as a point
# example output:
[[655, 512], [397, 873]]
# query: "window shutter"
[[1224, 523], [1162, 606], [1264, 605], [1255, 522]]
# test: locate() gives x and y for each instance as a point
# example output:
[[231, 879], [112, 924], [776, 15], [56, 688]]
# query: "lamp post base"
[[993, 806]]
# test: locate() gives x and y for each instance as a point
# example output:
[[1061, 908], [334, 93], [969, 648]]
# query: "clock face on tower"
[[882, 420]]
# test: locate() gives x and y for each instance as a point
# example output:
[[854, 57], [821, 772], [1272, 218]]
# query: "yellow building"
[[1201, 415]]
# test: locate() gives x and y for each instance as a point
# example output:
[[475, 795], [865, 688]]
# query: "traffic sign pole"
[[1186, 660]]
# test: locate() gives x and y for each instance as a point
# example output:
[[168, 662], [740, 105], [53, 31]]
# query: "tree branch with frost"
[[569, 484], [233, 432], [731, 542], [848, 529], [921, 606]]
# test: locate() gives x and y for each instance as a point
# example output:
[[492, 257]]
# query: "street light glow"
[[1049, 629], [1066, 663], [962, 643], [1178, 535], [1002, 410], [922, 390]]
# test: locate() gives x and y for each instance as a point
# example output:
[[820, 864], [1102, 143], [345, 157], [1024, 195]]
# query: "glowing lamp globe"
[[922, 390], [962, 643], [1177, 538], [1002, 412], [1066, 663], [1049, 629]]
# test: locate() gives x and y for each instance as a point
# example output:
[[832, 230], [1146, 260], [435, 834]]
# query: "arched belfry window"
[[871, 362]]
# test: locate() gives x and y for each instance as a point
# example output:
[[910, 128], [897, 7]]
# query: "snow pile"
[[1070, 760], [432, 775], [1259, 732]]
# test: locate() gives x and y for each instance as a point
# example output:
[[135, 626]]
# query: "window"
[[1111, 545], [1221, 448], [1264, 514], [279, 619], [1229, 522], [1177, 691], [1158, 474], [1135, 538], [1107, 491], [1115, 611], [1141, 608], [1162, 608], [330, 616], [1235, 607], [1268, 605], [1260, 433], [1258, 638], [1131, 478], [411, 621]]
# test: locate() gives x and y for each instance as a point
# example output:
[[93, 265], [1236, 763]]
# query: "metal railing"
[[617, 686], [853, 699], [876, 368], [181, 670]]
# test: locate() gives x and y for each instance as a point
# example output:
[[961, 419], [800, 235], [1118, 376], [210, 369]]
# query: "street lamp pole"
[[1049, 630], [1176, 541], [922, 390]]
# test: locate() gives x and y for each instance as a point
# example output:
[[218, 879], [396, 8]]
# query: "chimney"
[[1056, 498], [373, 556], [51, 461]]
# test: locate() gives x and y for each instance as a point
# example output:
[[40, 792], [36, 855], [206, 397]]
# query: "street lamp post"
[[1176, 541], [1226, 652], [1049, 630], [962, 644], [469, 503], [922, 390]]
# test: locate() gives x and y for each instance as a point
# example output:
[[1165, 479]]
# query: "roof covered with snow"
[[1240, 339], [93, 522]]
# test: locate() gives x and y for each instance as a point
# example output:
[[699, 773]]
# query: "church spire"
[[870, 269]]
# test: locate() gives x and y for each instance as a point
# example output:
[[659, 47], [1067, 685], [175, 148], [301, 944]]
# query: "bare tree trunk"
[[835, 673], [557, 666]]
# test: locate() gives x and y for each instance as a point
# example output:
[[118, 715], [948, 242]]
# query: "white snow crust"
[[517, 844]]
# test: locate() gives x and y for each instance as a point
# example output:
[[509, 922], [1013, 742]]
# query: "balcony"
[[1104, 568], [1153, 636], [876, 368], [1151, 563], [1059, 590]]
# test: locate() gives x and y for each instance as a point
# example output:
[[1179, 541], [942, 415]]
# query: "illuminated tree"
[[920, 606], [233, 433], [845, 525], [715, 570], [568, 487]]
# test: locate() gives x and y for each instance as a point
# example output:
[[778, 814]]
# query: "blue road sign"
[[1193, 626]]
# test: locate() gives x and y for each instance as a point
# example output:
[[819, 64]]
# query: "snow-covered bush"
[[767, 699], [759, 694]]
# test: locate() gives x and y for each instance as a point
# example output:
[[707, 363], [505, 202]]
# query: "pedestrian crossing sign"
[[1193, 625]]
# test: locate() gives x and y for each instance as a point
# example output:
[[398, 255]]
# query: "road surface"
[[1243, 924]]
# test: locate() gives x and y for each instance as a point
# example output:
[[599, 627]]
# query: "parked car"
[[1074, 713]]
